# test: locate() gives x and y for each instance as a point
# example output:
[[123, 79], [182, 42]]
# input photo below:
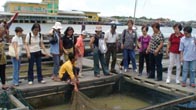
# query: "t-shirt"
[[188, 47], [111, 38], [67, 67], [175, 43], [144, 42], [20, 43], [155, 42], [35, 42], [80, 46], [68, 42]]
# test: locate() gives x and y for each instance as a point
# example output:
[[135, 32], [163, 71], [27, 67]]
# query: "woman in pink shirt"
[[79, 51]]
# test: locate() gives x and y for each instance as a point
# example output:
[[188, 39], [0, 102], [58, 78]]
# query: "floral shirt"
[[155, 42]]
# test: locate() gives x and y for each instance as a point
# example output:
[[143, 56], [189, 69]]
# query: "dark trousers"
[[142, 56], [35, 57], [2, 73], [70, 88], [111, 50], [156, 61], [122, 62]]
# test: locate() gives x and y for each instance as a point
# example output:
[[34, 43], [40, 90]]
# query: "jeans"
[[35, 57], [56, 60], [98, 56], [143, 56], [111, 50], [174, 59], [2, 73], [131, 54], [189, 66], [156, 61], [16, 70]]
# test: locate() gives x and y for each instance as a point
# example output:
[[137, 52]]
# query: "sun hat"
[[57, 25]]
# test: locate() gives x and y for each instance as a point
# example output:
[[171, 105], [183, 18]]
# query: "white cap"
[[57, 25], [84, 33]]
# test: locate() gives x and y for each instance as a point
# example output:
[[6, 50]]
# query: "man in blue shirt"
[[188, 56]]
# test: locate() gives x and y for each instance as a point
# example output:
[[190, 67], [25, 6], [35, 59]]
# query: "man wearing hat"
[[55, 35], [111, 38], [97, 55], [79, 51]]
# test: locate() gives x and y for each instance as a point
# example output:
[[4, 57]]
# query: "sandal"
[[109, 74], [98, 76], [192, 85], [183, 84], [5, 88]]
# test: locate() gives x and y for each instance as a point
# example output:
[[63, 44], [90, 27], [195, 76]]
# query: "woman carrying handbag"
[[17, 44]]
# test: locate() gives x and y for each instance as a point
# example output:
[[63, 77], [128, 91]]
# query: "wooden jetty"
[[52, 88]]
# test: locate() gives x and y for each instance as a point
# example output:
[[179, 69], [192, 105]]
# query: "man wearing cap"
[[55, 35], [97, 55], [111, 38], [79, 51]]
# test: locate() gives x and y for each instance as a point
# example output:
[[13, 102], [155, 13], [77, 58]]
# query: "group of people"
[[33, 44], [181, 48]]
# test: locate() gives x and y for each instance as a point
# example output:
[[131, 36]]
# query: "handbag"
[[102, 46], [11, 51]]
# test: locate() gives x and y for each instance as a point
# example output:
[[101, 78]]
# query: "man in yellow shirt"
[[68, 71]]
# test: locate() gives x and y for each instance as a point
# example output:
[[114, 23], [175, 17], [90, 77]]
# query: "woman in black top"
[[68, 42]]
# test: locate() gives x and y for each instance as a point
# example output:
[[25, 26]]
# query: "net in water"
[[82, 102]]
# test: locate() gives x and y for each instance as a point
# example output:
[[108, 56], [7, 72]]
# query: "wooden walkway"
[[140, 80], [172, 88], [51, 87]]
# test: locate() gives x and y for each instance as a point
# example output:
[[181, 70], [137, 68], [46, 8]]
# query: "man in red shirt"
[[79, 48], [174, 53]]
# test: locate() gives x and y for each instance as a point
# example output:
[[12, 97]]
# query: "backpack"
[[39, 38]]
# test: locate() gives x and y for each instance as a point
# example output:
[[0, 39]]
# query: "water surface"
[[115, 101]]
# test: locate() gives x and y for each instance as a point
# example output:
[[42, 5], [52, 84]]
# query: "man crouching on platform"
[[68, 72]]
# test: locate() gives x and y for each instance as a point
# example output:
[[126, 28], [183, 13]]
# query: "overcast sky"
[[179, 10]]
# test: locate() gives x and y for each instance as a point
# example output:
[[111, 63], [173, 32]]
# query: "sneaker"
[[42, 82], [177, 82], [16, 84], [30, 82], [135, 70], [125, 70], [140, 74], [167, 81], [113, 71]]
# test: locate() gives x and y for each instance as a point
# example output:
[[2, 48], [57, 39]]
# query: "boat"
[[116, 22]]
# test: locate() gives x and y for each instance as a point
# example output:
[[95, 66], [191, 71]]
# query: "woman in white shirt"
[[34, 44], [17, 43]]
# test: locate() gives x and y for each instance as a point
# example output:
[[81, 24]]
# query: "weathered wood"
[[17, 103]]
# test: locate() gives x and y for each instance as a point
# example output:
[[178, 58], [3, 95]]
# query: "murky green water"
[[116, 101]]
